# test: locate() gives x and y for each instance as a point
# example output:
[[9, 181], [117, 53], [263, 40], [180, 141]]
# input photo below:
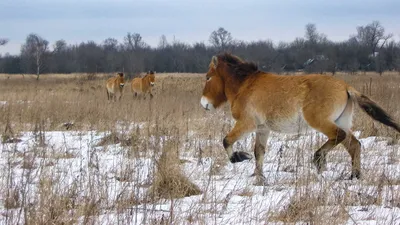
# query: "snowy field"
[[71, 170], [68, 156]]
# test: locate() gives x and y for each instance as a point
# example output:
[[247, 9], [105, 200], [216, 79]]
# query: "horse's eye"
[[208, 78]]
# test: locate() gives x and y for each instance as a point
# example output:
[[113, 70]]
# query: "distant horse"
[[143, 85], [115, 84], [264, 102]]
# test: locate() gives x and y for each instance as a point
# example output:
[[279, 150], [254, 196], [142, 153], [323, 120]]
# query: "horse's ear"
[[214, 61]]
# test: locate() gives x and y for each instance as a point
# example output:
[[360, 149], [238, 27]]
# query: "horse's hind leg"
[[353, 146], [335, 136], [351, 143], [259, 152], [323, 124], [322, 111]]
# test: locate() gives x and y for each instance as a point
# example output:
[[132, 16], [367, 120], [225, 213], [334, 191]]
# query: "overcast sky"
[[188, 20]]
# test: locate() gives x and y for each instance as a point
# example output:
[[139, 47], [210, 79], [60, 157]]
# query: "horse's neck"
[[231, 88], [145, 80]]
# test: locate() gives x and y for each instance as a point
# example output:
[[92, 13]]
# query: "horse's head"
[[121, 80], [213, 92], [152, 77]]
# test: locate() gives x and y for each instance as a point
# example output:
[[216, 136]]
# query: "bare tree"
[[372, 35], [134, 46], [163, 43], [3, 41], [133, 41], [59, 60], [220, 38], [373, 38], [110, 47], [35, 48], [59, 46], [110, 44], [313, 36], [311, 33]]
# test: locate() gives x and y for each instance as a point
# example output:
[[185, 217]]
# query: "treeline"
[[369, 49]]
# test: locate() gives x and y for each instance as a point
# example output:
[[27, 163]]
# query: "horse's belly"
[[292, 124]]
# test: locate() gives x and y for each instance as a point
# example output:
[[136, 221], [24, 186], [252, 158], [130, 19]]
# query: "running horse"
[[261, 102], [143, 85], [114, 85]]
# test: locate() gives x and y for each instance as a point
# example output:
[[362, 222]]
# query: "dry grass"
[[83, 102], [169, 181], [163, 129]]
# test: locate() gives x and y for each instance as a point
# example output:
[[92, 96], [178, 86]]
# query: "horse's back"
[[296, 91]]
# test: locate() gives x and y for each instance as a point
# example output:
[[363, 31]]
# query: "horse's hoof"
[[355, 175], [260, 179], [239, 157], [319, 162]]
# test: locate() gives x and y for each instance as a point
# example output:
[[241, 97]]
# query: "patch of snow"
[[229, 196]]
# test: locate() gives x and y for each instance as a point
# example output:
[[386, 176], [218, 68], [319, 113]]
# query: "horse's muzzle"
[[206, 104], [152, 84], [121, 85]]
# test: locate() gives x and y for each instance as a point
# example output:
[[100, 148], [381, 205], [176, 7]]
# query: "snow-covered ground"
[[72, 164]]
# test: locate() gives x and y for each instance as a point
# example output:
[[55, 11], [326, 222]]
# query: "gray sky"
[[188, 20]]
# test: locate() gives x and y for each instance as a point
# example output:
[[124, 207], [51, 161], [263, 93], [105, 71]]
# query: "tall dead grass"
[[174, 112]]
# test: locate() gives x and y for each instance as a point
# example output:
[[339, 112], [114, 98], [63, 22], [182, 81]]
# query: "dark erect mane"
[[239, 68], [149, 73]]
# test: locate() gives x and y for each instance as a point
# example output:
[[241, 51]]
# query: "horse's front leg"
[[120, 95], [241, 128]]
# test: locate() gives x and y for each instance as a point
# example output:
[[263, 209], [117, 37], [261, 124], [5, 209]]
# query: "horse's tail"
[[372, 108]]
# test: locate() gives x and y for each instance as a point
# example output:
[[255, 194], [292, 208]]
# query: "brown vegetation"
[[174, 112]]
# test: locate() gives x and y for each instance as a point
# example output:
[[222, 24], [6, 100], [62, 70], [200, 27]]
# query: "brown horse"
[[115, 84], [143, 85], [264, 102]]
